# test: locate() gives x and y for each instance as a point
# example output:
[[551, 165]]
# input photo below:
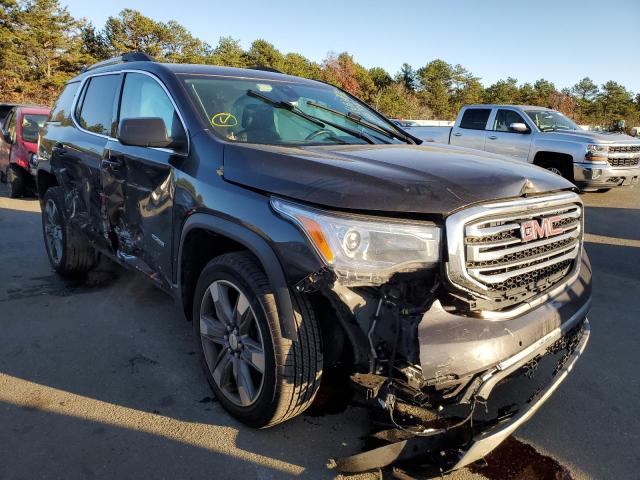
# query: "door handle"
[[457, 134], [492, 137], [113, 161]]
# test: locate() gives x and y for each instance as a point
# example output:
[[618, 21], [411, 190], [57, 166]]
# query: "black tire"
[[15, 181], [76, 256], [558, 167], [292, 370]]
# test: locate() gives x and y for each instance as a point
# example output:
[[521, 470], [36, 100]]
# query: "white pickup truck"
[[544, 137]]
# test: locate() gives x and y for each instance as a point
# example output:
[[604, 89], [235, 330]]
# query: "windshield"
[[31, 124], [279, 112], [548, 120]]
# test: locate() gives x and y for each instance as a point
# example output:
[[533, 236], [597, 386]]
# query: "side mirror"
[[519, 127], [144, 132]]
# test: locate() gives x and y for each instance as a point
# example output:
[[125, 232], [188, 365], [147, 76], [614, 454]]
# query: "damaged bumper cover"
[[454, 347], [465, 443], [486, 441], [500, 373]]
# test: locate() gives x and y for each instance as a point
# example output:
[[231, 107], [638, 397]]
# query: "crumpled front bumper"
[[593, 175], [454, 346], [485, 442]]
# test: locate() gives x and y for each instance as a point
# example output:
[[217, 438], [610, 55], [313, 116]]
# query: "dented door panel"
[[78, 161], [139, 188]]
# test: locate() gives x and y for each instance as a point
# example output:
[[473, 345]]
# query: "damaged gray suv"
[[305, 236]]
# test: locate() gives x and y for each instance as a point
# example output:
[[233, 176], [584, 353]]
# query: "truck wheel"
[[15, 181], [69, 252], [260, 377], [559, 167], [555, 170]]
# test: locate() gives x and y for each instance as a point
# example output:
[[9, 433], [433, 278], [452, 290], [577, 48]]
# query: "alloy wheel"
[[53, 231], [233, 343]]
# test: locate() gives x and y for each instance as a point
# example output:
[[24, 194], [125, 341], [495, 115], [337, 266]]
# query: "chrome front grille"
[[502, 255], [624, 149], [623, 162]]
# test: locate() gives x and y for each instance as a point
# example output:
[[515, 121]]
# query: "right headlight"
[[364, 250]]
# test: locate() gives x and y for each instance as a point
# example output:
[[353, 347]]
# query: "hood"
[[433, 179], [592, 137]]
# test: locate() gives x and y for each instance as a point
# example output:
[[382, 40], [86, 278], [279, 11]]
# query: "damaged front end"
[[465, 340]]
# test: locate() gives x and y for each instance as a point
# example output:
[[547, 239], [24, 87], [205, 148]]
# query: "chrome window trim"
[[120, 72], [455, 232]]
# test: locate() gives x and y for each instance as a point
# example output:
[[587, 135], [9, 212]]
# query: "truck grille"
[[514, 251], [623, 162], [624, 149]]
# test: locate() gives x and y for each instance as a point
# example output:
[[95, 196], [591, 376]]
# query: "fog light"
[[595, 173]]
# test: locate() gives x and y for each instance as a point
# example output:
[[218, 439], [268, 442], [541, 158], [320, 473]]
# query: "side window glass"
[[142, 96], [504, 118], [96, 112], [62, 109], [12, 126], [475, 118]]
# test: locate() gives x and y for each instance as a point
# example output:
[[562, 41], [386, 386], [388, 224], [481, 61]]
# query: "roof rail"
[[125, 57], [265, 69]]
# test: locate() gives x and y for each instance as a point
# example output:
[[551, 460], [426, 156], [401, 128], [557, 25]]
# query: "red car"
[[18, 146]]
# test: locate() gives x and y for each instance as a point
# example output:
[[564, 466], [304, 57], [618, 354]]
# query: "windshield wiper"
[[355, 118], [321, 123]]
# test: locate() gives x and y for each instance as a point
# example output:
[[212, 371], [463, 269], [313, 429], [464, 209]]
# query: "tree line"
[[42, 46]]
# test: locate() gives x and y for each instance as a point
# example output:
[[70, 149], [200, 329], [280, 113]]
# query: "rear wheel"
[[15, 181], [259, 376], [69, 252]]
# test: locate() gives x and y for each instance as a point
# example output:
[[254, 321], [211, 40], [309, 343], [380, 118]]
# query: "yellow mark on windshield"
[[224, 119]]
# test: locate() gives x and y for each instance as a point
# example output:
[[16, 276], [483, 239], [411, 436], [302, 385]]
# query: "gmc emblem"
[[533, 229]]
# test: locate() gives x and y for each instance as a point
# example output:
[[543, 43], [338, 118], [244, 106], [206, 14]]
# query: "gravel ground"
[[101, 380]]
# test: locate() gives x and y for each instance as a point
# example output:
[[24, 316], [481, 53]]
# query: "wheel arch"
[[200, 229], [545, 158], [44, 181]]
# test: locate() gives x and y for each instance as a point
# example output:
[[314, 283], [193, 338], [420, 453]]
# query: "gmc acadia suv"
[[304, 233]]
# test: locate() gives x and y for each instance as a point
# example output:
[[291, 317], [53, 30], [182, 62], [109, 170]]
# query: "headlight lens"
[[365, 250], [596, 153]]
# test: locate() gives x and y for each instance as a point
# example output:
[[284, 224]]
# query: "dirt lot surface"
[[101, 380]]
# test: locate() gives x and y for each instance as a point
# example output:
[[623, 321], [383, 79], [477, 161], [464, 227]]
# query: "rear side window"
[[475, 118], [62, 109], [96, 112]]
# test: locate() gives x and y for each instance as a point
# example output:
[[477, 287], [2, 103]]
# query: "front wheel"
[[555, 170], [69, 252], [259, 376]]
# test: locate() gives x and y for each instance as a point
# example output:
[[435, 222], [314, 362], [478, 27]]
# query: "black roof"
[[195, 69]]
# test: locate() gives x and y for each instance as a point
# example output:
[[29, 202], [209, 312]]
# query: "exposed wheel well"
[[45, 181], [200, 246], [563, 161]]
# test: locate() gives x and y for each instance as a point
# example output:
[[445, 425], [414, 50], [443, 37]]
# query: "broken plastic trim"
[[453, 448]]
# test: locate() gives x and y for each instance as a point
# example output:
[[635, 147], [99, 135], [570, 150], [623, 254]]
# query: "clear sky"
[[561, 41]]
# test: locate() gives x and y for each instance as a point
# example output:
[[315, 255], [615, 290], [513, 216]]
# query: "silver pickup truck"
[[544, 137]]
